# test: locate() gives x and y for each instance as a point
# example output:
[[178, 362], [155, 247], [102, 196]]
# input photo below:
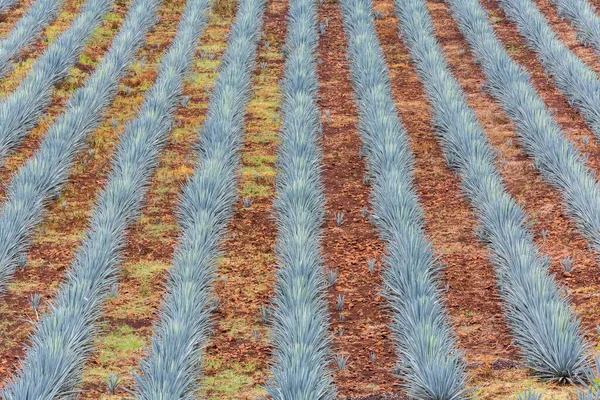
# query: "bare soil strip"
[[363, 332], [236, 363]]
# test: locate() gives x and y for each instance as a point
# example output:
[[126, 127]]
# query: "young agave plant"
[[332, 276], [339, 305], [528, 395], [341, 361], [264, 314], [113, 382], [339, 218], [371, 264], [567, 264], [35, 300]]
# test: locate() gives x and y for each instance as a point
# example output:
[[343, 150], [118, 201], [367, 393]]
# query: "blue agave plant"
[[42, 177], [27, 30], [23, 108]]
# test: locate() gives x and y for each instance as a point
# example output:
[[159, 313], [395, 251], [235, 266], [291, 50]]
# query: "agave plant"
[[63, 339], [27, 30], [42, 177], [172, 367], [431, 365], [528, 395], [300, 322], [23, 108], [572, 76], [543, 324]]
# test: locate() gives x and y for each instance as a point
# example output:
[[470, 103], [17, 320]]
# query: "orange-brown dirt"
[[362, 328]]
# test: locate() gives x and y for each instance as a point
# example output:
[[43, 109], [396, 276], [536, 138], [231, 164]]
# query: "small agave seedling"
[[341, 361], [247, 202], [364, 212], [332, 276], [371, 264], [340, 332], [184, 101], [112, 383], [322, 29], [373, 357], [114, 290], [264, 314], [35, 300], [339, 218], [22, 261], [339, 305], [528, 395], [567, 264], [328, 116]]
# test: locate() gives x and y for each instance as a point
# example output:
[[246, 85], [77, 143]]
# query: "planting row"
[[300, 331]]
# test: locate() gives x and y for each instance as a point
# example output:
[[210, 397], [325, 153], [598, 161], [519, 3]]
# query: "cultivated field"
[[300, 199]]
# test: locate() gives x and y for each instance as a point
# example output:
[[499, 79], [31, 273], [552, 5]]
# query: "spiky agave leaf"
[[430, 364], [63, 339]]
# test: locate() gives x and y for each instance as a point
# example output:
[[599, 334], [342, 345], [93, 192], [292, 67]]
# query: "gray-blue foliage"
[[27, 30], [430, 363], [23, 108], [573, 77], [63, 339], [42, 177], [300, 330], [172, 368], [582, 15], [557, 160], [544, 327], [6, 5]]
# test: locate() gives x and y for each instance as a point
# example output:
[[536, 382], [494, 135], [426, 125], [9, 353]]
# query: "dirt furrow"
[[361, 328], [236, 363]]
